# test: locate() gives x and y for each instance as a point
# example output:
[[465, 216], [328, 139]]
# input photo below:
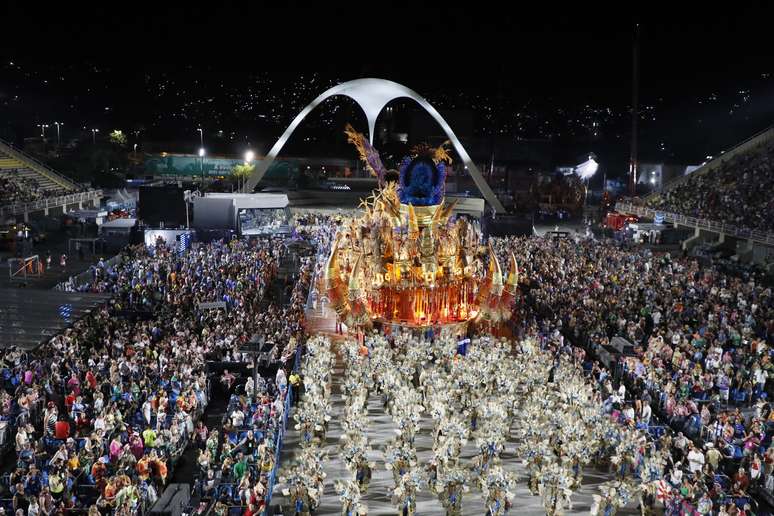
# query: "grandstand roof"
[[28, 318]]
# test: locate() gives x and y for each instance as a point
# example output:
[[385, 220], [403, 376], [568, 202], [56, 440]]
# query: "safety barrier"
[[280, 435], [85, 277], [21, 208], [762, 237]]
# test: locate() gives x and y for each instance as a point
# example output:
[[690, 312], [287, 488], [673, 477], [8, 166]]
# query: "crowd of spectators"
[[738, 192], [702, 340], [101, 413], [236, 461], [17, 189], [263, 220]]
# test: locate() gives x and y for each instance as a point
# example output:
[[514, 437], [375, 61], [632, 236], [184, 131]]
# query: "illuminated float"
[[406, 260]]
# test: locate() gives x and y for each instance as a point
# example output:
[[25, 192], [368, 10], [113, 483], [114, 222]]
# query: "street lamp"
[[201, 136], [57, 124], [249, 157], [201, 155], [43, 128], [187, 196], [94, 136]]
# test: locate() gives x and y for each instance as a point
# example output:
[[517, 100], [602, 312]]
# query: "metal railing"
[[74, 283], [20, 208], [762, 237]]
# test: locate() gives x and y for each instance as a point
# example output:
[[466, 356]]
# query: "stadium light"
[[587, 169]]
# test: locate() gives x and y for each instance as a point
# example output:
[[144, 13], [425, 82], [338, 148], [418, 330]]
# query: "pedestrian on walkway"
[[63, 261]]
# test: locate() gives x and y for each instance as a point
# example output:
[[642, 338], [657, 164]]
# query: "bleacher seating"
[[736, 192], [23, 179]]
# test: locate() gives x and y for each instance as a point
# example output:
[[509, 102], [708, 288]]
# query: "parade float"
[[407, 260]]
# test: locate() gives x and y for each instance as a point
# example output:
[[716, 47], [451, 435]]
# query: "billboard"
[[191, 165]]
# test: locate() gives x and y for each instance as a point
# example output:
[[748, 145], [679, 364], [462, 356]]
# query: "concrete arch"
[[372, 95]]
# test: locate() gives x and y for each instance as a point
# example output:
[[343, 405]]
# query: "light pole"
[[57, 124], [43, 128], [187, 197], [94, 136], [201, 155], [249, 157], [201, 151]]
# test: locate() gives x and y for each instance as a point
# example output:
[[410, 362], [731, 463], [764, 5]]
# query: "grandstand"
[[732, 189], [727, 201], [27, 186]]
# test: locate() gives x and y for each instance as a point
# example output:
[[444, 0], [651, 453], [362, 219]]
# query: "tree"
[[117, 137], [241, 172]]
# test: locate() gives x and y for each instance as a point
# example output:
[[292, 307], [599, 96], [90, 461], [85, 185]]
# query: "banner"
[[210, 166], [212, 306], [184, 243]]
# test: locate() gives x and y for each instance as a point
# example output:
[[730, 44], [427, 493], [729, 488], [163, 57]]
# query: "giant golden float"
[[407, 261]]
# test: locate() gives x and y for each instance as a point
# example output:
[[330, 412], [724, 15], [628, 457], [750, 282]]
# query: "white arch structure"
[[372, 95]]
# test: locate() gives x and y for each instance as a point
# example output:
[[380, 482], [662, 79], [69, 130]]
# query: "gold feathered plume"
[[441, 154], [438, 154], [358, 140]]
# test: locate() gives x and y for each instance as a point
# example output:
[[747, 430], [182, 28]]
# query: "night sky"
[[707, 78]]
